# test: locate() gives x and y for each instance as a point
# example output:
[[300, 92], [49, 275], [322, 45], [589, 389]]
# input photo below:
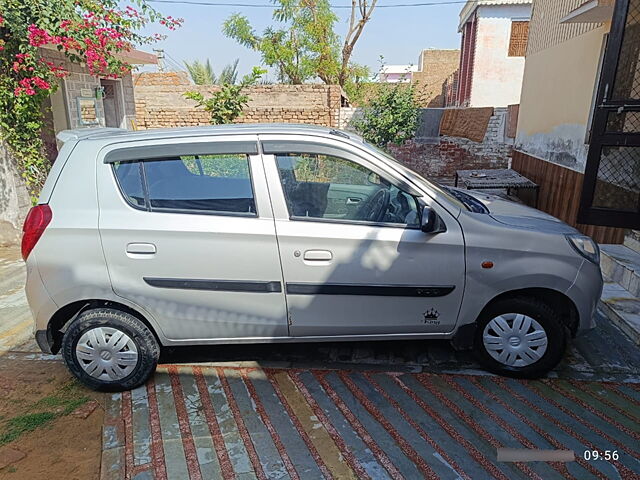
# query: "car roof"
[[120, 134]]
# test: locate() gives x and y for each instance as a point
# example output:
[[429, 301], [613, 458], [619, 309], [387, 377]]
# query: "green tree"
[[202, 73], [227, 104], [229, 73], [304, 46], [390, 117]]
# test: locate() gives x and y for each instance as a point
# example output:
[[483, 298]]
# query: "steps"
[[621, 295], [621, 264]]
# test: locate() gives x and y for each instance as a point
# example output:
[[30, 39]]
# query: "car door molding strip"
[[215, 285], [367, 289]]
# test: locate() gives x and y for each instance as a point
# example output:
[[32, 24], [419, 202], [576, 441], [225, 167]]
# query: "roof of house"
[[472, 5]]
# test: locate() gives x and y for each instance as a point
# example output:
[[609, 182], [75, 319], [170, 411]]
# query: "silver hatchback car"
[[284, 233]]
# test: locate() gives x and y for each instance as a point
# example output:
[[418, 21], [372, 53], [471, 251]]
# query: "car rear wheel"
[[520, 337], [110, 350]]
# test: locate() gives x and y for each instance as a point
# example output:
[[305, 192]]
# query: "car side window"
[[333, 188], [130, 180], [219, 183]]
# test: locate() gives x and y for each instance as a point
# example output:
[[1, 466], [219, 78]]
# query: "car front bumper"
[[585, 292]]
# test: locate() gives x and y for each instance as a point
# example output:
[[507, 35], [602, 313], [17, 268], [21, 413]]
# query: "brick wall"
[[160, 102], [440, 161], [436, 67]]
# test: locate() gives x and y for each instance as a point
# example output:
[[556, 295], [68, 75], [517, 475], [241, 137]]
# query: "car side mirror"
[[430, 222]]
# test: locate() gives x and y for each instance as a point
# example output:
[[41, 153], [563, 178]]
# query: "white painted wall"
[[497, 78]]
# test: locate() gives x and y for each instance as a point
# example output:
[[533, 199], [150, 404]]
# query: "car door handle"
[[141, 248], [318, 255], [353, 200]]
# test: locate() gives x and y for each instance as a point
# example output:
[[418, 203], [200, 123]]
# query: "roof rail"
[[80, 133]]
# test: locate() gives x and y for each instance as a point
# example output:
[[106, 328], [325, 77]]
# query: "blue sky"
[[399, 34]]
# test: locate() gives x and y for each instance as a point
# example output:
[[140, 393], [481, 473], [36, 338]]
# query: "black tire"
[[145, 343], [548, 318]]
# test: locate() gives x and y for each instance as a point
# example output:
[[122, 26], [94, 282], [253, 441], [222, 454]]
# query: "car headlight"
[[585, 247]]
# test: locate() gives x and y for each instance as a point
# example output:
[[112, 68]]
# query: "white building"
[[396, 73], [494, 42]]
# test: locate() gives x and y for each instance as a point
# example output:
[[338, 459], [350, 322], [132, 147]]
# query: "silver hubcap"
[[107, 353], [515, 339]]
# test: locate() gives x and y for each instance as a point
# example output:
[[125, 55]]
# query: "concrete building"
[[577, 133], [494, 40], [82, 100]]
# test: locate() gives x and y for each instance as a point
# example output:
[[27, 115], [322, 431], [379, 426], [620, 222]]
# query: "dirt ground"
[[49, 420]]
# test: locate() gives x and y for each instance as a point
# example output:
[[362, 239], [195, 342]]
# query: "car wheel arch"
[[463, 339], [553, 298], [65, 315]]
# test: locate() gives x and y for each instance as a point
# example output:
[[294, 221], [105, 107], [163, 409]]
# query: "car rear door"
[[188, 234], [346, 274]]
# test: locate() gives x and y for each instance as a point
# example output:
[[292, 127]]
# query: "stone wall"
[[80, 83], [14, 199], [160, 102]]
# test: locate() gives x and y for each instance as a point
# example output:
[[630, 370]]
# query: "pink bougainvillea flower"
[[41, 83], [38, 36]]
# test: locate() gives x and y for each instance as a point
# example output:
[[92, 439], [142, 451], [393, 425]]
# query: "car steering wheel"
[[376, 207]]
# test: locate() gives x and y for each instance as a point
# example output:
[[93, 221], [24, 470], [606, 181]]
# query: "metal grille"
[[627, 83], [109, 91], [626, 122], [618, 183]]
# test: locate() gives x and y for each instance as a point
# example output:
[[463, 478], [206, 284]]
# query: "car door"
[[363, 272], [188, 234]]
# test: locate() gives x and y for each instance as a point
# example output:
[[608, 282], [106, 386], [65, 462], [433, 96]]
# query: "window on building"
[[519, 38]]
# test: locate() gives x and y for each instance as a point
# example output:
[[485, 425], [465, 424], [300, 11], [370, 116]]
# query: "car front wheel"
[[110, 350], [520, 337]]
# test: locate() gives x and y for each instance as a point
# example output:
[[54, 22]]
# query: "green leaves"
[[203, 74], [390, 117], [227, 104], [93, 32], [303, 46]]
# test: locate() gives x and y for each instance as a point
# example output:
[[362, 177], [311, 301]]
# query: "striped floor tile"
[[206, 422]]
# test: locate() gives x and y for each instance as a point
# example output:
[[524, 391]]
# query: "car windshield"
[[444, 191]]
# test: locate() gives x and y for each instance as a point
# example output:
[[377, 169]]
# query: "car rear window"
[[218, 183], [130, 180]]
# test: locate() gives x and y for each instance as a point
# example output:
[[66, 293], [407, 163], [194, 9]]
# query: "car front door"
[[188, 234], [354, 259]]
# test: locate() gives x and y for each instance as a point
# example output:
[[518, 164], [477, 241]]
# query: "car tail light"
[[37, 220]]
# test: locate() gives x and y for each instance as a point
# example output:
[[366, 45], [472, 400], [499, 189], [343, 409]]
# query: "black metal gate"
[[611, 190]]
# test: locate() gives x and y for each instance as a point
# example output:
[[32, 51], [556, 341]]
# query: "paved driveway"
[[217, 422], [16, 323], [383, 410]]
